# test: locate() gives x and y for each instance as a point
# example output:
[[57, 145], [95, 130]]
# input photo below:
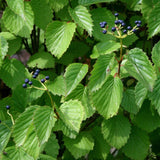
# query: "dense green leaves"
[[140, 68], [89, 2], [58, 37], [82, 17], [108, 98], [116, 131]]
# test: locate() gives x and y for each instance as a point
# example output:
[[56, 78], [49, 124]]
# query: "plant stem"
[[11, 117], [119, 62]]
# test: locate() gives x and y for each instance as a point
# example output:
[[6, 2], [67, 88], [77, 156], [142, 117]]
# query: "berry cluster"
[[122, 32]]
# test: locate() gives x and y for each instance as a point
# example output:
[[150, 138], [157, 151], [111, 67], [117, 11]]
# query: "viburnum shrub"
[[79, 79]]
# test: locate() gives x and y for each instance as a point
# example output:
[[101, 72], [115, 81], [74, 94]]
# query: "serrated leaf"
[[140, 68], [73, 113], [129, 40], [41, 60], [18, 25], [58, 37], [80, 146], [16, 153], [89, 2], [153, 21], [116, 131], [101, 70], [44, 121], [58, 86], [108, 98], [129, 102], [140, 94], [12, 72], [137, 145], [52, 146], [3, 49], [82, 17], [101, 148], [147, 118], [75, 72], [42, 13], [5, 133]]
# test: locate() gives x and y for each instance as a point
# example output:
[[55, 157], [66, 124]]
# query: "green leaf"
[[42, 13], [106, 105], [137, 145], [140, 68], [45, 157], [100, 72], [44, 121], [52, 146], [21, 26], [153, 21], [75, 72], [5, 133], [58, 86], [116, 131], [12, 72], [82, 17], [154, 96], [16, 153], [101, 148], [89, 2], [129, 102], [58, 37], [147, 118], [140, 94], [17, 6], [129, 40], [80, 146], [72, 114], [3, 49], [41, 60], [103, 48]]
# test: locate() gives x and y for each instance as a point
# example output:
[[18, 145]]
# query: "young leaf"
[[108, 98], [103, 48], [82, 17], [89, 2], [116, 131], [100, 72], [19, 25], [147, 118], [41, 60], [58, 37], [75, 72], [141, 68], [42, 13], [80, 146], [137, 145]]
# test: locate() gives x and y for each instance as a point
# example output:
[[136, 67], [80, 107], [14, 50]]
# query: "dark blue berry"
[[125, 31], [113, 29], [24, 85], [129, 27], [26, 80], [34, 76], [105, 23], [30, 83], [116, 22], [100, 23], [120, 21], [123, 24], [102, 26], [47, 77], [37, 70], [8, 107], [138, 25], [136, 22], [134, 30], [104, 31], [116, 14], [139, 22], [42, 80], [0, 121]]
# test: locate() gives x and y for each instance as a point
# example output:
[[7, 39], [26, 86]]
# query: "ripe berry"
[[37, 70], [138, 25], [134, 30], [113, 29], [105, 23], [129, 27], [42, 80], [0, 121], [26, 80], [139, 22], [116, 22], [104, 31], [120, 21], [24, 85], [123, 24], [102, 26], [47, 77], [125, 31], [136, 22], [30, 83], [7, 107], [34, 76], [116, 14]]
